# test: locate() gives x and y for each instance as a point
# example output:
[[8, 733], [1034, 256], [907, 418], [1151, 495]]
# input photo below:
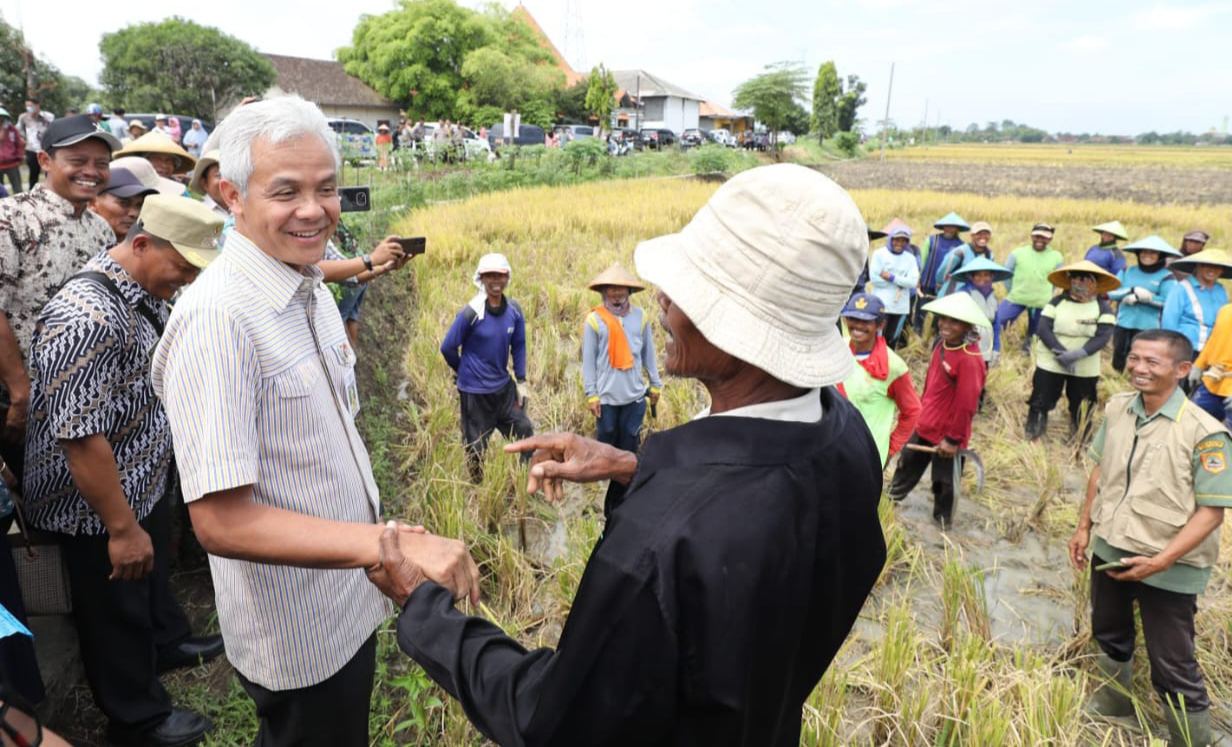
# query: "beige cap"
[[157, 142], [981, 225], [145, 173], [189, 226], [617, 275], [208, 159]]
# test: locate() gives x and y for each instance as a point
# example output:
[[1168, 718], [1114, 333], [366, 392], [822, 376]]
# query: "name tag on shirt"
[[345, 356]]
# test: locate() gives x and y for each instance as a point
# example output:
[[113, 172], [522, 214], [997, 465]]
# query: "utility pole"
[[638, 102], [925, 123], [885, 123]]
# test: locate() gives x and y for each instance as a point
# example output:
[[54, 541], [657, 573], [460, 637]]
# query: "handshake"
[[410, 555]]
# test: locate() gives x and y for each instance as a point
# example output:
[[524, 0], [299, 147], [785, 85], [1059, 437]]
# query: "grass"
[[1063, 154], [930, 661]]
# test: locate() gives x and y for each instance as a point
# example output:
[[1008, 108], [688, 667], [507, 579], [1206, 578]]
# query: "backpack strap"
[[107, 283]]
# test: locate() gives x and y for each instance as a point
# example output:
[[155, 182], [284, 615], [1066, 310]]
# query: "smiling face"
[[898, 244], [1040, 243], [981, 278], [952, 331], [162, 163], [1148, 257], [980, 239], [292, 204], [1208, 274], [119, 212], [163, 271], [615, 295], [689, 353], [77, 172], [1189, 246], [863, 333], [494, 283], [1152, 368], [1106, 238]]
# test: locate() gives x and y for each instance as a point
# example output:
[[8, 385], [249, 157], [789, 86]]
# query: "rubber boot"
[[1112, 699], [1193, 729], [1037, 423]]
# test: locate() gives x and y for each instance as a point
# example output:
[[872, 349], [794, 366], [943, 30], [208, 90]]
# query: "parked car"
[[722, 136], [473, 145], [527, 135], [356, 140], [658, 138], [567, 132], [634, 137], [786, 138], [691, 138]]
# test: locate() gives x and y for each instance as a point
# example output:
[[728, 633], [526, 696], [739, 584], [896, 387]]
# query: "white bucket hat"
[[491, 263], [764, 268]]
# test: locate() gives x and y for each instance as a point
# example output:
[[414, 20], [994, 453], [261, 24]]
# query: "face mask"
[[29, 109]]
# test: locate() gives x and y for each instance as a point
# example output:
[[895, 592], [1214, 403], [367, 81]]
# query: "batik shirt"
[[42, 243], [90, 374]]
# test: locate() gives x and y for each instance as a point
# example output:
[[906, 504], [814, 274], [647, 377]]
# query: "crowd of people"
[[168, 339]]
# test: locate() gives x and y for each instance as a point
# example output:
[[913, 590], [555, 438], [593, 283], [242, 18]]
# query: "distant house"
[[646, 100], [712, 116], [327, 84]]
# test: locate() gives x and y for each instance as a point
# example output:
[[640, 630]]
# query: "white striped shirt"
[[242, 371]]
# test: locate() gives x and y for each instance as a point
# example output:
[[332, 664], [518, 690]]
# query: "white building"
[[646, 100]]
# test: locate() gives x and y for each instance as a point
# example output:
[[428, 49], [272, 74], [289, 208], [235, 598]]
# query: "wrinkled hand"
[[131, 553], [567, 456], [947, 449], [1140, 566], [1078, 548], [409, 556], [393, 574], [389, 250], [595, 407]]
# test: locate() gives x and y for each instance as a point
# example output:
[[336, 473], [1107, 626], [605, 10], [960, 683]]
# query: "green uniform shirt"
[[1030, 287], [1212, 487]]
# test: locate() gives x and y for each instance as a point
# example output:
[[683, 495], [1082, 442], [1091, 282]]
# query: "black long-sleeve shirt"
[[722, 588]]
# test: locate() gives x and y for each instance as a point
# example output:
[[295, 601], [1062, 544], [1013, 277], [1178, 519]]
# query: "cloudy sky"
[[1098, 65]]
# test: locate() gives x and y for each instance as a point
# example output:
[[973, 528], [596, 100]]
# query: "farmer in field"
[[1106, 254], [976, 246], [1191, 243], [163, 153], [1140, 299], [1154, 504], [932, 255], [488, 332], [1214, 365], [976, 279], [748, 539], [617, 343], [1073, 328], [1194, 303], [894, 273], [1028, 288], [952, 389], [880, 387]]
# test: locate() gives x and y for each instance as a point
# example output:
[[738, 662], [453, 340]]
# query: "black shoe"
[[944, 523], [190, 652], [181, 728]]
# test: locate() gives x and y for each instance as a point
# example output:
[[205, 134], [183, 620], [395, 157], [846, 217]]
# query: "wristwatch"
[[367, 258]]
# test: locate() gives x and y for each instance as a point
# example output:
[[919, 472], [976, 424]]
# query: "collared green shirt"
[[1212, 487]]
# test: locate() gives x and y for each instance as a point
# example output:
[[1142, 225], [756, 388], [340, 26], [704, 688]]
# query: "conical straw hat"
[[1153, 243], [1216, 257], [953, 219], [157, 142], [617, 275], [959, 306], [1113, 227], [1104, 280]]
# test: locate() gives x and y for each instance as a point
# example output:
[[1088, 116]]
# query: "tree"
[[22, 74], [827, 92], [774, 96], [180, 66], [601, 94], [497, 82], [850, 102]]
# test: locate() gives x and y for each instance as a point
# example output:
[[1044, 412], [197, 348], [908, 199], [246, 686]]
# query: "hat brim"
[[1119, 234], [170, 187], [998, 276], [811, 361], [198, 174], [874, 235], [129, 190], [1188, 267], [606, 284], [938, 308], [198, 257], [1042, 234], [1156, 249], [106, 137], [1104, 282], [864, 316], [962, 227]]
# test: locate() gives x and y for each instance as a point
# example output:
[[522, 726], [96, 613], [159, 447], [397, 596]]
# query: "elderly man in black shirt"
[[748, 540]]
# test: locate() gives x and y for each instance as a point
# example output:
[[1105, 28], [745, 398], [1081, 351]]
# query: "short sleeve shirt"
[[42, 243], [89, 371]]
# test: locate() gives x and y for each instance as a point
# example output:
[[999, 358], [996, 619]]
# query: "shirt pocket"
[[293, 384], [1153, 524]]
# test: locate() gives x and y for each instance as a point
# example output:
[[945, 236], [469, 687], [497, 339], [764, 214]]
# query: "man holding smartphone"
[[1154, 503]]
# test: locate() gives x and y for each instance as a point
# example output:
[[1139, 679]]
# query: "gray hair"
[[273, 121]]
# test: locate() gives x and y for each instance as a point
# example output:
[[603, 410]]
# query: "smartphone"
[[355, 199], [1116, 566], [414, 245]]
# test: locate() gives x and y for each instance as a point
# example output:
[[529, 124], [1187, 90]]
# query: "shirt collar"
[[276, 281], [132, 291], [1170, 410], [56, 202], [803, 409]]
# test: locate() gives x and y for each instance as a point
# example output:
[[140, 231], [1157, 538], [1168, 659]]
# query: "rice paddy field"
[[979, 636]]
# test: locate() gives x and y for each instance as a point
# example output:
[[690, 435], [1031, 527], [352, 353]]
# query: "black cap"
[[68, 131], [122, 183]]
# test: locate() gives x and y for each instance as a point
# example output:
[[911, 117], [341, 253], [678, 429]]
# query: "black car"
[[692, 137], [658, 137]]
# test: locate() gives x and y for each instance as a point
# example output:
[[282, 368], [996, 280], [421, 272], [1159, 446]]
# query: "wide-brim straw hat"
[[198, 175], [1217, 257], [144, 171], [1113, 227], [763, 269], [157, 142], [1153, 243], [953, 219], [984, 264], [617, 275], [960, 306], [1104, 280]]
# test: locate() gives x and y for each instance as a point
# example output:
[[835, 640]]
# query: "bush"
[[584, 152], [712, 159], [848, 143]]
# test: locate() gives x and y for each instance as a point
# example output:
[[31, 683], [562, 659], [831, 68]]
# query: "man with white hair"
[[748, 539], [258, 380], [488, 331]]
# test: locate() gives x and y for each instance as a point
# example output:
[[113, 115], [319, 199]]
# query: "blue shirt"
[[1143, 314], [938, 247], [613, 386], [1180, 314], [485, 345], [1108, 257]]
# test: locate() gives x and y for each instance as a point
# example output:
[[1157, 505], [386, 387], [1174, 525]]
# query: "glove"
[[994, 357], [1143, 295], [1195, 376], [1070, 357], [1130, 299], [523, 394]]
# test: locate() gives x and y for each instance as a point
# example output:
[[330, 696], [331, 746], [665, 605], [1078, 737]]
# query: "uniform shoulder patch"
[[1213, 462], [1210, 443]]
